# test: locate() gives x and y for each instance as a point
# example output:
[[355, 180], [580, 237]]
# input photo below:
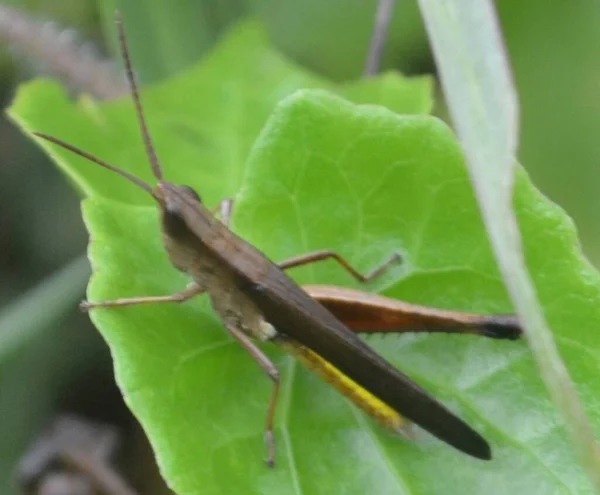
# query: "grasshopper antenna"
[[154, 163], [156, 169], [88, 156]]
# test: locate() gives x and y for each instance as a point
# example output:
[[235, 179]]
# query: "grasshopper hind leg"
[[272, 372]]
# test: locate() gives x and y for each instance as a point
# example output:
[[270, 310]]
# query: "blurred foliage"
[[552, 45]]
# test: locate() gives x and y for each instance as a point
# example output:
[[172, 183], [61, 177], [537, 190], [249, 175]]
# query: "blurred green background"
[[51, 359]]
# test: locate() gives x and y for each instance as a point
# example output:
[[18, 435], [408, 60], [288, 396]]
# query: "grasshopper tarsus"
[[270, 441], [395, 257]]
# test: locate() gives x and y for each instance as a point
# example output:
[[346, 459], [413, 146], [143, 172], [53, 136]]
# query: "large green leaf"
[[414, 195], [322, 174]]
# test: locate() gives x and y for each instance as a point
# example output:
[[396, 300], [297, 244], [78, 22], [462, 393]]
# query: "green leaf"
[[322, 174], [202, 400], [415, 196], [393, 91]]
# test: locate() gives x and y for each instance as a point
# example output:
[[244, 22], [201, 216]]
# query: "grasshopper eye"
[[192, 193]]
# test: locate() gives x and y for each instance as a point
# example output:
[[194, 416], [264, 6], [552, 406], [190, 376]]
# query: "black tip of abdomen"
[[503, 327]]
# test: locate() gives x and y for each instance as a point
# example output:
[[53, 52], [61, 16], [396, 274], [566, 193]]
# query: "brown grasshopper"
[[256, 300]]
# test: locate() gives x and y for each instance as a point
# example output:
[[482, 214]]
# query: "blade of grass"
[[39, 308], [482, 100]]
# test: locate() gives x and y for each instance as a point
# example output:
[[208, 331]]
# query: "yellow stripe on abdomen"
[[364, 399]]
